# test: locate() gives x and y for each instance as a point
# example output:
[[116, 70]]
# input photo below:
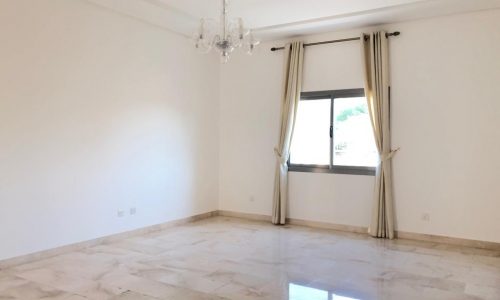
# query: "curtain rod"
[[395, 33]]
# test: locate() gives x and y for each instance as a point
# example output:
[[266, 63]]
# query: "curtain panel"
[[377, 91], [292, 85]]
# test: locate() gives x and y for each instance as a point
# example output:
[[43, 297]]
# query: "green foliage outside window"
[[351, 112]]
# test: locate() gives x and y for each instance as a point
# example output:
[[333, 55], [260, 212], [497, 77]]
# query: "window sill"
[[347, 170]]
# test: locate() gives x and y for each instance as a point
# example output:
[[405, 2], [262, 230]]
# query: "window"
[[333, 134]]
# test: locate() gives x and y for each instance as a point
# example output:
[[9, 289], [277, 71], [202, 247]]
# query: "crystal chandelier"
[[232, 35]]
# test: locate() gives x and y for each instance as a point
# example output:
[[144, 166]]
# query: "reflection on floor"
[[224, 258], [300, 292]]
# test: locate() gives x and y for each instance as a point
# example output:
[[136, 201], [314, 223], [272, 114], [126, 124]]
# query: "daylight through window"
[[333, 133]]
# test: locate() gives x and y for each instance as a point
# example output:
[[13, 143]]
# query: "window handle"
[[331, 131]]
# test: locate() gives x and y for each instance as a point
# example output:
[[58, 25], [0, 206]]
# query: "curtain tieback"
[[278, 154], [387, 156]]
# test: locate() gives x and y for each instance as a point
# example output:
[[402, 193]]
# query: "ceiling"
[[273, 19]]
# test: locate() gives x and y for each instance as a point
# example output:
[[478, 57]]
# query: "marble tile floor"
[[226, 258]]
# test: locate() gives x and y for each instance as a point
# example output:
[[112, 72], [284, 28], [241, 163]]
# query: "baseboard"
[[241, 215], [293, 221], [439, 239], [325, 225], [10, 262], [363, 230]]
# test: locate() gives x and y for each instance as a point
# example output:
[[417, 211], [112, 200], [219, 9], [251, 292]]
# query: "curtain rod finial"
[[395, 33]]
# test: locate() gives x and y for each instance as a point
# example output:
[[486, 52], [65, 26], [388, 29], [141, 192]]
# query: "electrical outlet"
[[133, 211], [120, 213], [425, 217]]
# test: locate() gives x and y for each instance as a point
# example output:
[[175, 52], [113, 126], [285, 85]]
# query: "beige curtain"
[[292, 84], [377, 91]]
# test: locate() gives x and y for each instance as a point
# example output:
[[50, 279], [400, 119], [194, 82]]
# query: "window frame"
[[333, 169]]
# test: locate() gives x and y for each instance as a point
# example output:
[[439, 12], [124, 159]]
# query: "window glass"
[[353, 141], [311, 136]]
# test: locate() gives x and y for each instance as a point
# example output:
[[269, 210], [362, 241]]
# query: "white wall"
[[446, 108], [99, 112]]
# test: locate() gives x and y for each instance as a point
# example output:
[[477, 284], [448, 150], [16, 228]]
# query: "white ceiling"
[[272, 19], [264, 13]]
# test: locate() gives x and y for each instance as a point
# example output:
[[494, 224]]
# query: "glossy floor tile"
[[226, 258]]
